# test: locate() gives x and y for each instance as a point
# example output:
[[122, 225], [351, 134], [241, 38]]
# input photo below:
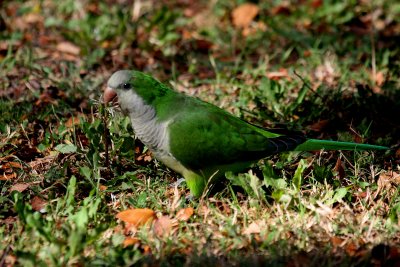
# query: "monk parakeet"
[[195, 138]]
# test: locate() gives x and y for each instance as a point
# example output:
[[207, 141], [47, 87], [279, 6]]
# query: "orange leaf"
[[253, 228], [74, 120], [378, 78], [38, 203], [277, 75], [336, 241], [162, 226], [130, 241], [12, 164], [319, 125], [69, 48], [102, 187], [6, 177], [137, 217], [244, 14], [184, 214]]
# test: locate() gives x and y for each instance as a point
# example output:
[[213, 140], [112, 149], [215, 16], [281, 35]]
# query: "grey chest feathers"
[[149, 130]]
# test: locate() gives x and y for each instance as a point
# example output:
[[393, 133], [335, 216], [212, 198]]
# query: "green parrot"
[[197, 139]]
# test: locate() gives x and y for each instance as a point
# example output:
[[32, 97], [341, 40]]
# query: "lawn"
[[78, 189]]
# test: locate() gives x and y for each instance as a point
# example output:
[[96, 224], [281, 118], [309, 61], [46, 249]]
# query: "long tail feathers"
[[315, 144]]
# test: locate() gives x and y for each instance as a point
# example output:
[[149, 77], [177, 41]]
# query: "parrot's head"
[[120, 87], [119, 82], [130, 88]]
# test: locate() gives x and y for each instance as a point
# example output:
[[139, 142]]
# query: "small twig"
[[26, 135], [373, 56], [5, 253], [306, 84], [105, 135]]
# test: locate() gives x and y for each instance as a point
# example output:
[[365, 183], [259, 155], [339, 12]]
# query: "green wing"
[[209, 136]]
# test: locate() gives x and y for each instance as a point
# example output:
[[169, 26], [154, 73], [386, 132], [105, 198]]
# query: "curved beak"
[[109, 95]]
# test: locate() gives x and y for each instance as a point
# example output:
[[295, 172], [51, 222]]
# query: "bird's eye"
[[126, 86]]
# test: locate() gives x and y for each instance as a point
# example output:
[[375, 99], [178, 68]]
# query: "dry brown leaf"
[[244, 14], [137, 217], [38, 203], [102, 187], [184, 214], [385, 179], [253, 228], [146, 249], [6, 176], [147, 158], [74, 120], [339, 168], [19, 187], [316, 3], [130, 241], [10, 260], [319, 125], [69, 48], [379, 78], [162, 226], [397, 153], [12, 164], [282, 9], [278, 75], [351, 248], [337, 241]]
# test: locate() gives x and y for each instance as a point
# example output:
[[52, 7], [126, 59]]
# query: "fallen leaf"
[[387, 180], [389, 177], [146, 249], [130, 241], [282, 9], [336, 241], [68, 48], [316, 3], [12, 164], [38, 203], [162, 226], [7, 170], [102, 187], [351, 249], [319, 125], [147, 158], [253, 228], [74, 120], [244, 14], [19, 187], [339, 168], [277, 75], [307, 53], [184, 214], [137, 217], [378, 78], [6, 176]]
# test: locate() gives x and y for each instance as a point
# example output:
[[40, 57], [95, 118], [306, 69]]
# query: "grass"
[[327, 68]]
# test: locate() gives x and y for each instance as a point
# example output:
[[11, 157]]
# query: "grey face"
[[120, 79]]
